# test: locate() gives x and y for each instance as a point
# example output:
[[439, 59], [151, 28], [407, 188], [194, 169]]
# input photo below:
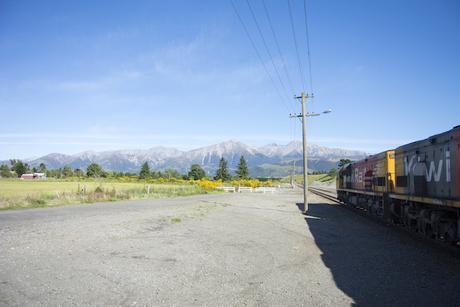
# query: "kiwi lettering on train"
[[433, 170]]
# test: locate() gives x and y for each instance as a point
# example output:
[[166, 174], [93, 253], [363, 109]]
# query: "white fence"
[[245, 189], [265, 190], [248, 189]]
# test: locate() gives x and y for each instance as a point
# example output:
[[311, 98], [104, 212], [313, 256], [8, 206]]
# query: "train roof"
[[382, 153], [430, 140], [345, 166]]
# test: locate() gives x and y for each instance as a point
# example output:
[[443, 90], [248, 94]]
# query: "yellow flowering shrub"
[[207, 184], [253, 183], [214, 184]]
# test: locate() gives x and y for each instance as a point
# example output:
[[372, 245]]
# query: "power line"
[[258, 53], [308, 45], [266, 47], [278, 46], [302, 77]]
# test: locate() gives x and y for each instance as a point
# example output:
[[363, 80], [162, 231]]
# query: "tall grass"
[[33, 194]]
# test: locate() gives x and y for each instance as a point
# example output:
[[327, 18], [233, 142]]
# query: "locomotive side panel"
[[416, 186], [375, 173], [424, 168], [362, 174], [339, 179], [401, 186], [390, 171], [456, 162], [384, 172]]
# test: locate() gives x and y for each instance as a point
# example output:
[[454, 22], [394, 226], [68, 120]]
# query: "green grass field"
[[16, 193], [322, 178]]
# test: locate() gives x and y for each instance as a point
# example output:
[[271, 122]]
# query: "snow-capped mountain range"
[[160, 158]]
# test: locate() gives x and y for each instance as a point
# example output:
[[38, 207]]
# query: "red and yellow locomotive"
[[416, 185]]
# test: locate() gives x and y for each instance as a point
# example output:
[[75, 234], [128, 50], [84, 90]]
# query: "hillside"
[[271, 160]]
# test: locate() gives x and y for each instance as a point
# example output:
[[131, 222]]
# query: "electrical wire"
[[302, 77], [258, 53], [267, 49], [308, 45], [280, 54]]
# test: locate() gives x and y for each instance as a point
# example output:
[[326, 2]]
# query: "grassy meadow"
[[15, 193], [319, 178]]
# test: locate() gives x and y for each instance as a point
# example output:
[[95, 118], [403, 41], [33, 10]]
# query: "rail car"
[[416, 185]]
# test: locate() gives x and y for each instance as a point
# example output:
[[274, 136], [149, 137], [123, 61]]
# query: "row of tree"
[[196, 172], [18, 168]]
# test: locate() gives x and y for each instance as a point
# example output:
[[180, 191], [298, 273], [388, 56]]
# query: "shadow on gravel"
[[377, 266]]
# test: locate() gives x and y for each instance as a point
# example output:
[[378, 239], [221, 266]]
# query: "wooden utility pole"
[[303, 100]]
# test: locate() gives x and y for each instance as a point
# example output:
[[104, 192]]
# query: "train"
[[416, 185]]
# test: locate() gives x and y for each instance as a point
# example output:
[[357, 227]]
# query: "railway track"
[[325, 194], [330, 195]]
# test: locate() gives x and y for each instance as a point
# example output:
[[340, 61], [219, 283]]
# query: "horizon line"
[[153, 147]]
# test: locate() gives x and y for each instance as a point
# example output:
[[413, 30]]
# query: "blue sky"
[[101, 75]]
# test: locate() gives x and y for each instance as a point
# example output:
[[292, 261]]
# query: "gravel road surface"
[[217, 250]]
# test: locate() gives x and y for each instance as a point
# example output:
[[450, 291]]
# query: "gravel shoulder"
[[221, 249]]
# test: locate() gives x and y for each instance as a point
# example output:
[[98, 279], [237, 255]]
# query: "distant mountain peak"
[[161, 157]]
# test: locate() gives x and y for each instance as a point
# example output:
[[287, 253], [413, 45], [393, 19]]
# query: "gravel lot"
[[221, 249]]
